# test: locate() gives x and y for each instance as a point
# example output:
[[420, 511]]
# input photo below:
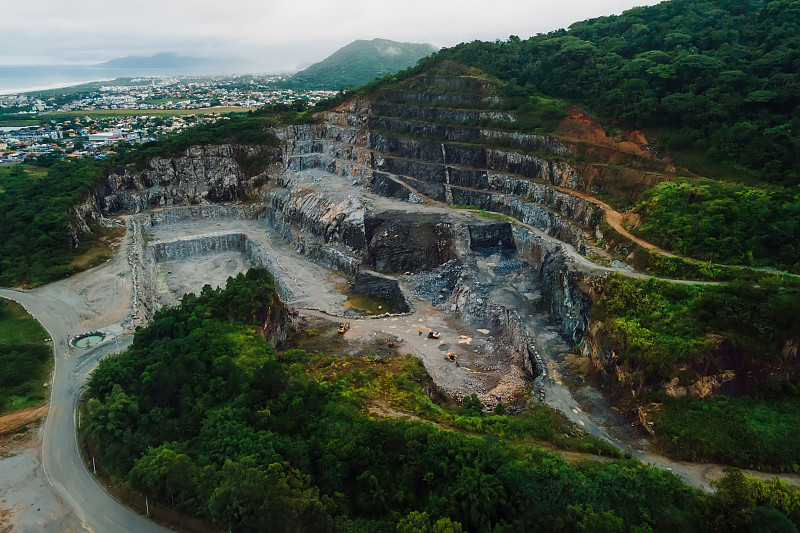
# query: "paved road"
[[64, 468]]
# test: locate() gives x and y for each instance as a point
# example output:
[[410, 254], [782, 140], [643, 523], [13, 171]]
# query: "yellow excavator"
[[431, 334], [450, 356], [344, 327]]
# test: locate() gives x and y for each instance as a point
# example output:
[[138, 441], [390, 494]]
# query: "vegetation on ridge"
[[724, 223], [661, 331], [659, 326], [360, 62], [36, 243]]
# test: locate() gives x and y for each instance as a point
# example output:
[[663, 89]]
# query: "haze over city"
[[268, 36]]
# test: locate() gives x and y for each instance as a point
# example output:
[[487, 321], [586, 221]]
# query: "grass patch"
[[99, 248], [399, 384], [11, 121], [25, 358], [24, 170]]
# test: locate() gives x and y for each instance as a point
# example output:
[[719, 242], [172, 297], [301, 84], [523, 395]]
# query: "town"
[[90, 120]]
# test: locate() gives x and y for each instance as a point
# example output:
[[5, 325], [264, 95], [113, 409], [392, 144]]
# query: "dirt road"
[[14, 421]]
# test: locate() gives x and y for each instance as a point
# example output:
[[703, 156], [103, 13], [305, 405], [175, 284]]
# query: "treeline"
[[35, 239], [202, 414], [720, 76]]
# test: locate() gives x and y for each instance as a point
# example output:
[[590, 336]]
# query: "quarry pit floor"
[[487, 366]]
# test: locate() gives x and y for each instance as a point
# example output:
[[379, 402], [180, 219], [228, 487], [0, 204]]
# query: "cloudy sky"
[[270, 34]]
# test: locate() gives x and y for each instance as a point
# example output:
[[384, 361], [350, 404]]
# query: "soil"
[[12, 422], [27, 503]]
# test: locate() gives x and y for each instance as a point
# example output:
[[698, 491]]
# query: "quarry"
[[480, 234]]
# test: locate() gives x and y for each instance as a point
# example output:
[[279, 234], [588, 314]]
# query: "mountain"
[[361, 62], [163, 60]]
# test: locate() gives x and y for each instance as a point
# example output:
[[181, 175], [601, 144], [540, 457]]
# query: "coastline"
[[49, 87]]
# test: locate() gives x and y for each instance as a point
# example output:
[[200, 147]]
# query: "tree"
[[473, 405], [163, 473]]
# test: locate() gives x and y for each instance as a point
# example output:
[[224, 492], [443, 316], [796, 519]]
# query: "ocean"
[[16, 79]]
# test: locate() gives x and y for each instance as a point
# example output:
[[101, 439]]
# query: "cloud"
[[271, 33]]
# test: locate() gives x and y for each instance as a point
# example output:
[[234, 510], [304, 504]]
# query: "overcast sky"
[[272, 34]]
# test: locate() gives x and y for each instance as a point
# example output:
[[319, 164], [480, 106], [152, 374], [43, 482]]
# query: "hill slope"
[[716, 77], [362, 61]]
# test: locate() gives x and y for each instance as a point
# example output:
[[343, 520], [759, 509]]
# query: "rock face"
[[276, 327], [201, 175], [368, 283]]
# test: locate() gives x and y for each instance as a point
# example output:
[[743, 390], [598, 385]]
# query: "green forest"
[[663, 330], [718, 77], [203, 415], [660, 325], [724, 223]]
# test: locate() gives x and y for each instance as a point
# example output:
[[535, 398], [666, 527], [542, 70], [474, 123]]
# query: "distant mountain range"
[[171, 60], [361, 62]]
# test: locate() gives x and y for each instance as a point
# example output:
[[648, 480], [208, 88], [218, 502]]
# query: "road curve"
[[96, 509]]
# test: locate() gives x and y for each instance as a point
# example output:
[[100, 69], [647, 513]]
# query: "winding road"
[[95, 299]]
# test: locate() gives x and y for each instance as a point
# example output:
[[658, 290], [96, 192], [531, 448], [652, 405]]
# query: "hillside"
[[712, 78], [579, 244], [361, 62]]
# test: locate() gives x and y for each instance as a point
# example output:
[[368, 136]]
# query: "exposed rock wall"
[[143, 300], [439, 114], [480, 312], [201, 175], [334, 220], [444, 99], [217, 243], [369, 283]]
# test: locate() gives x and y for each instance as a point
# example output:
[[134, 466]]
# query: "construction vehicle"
[[431, 334], [344, 327], [450, 356]]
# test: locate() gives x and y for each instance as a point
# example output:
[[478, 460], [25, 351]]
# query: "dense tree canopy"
[[723, 76], [723, 223]]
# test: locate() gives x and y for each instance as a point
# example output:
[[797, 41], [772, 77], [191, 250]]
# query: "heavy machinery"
[[344, 327], [431, 334], [450, 356]]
